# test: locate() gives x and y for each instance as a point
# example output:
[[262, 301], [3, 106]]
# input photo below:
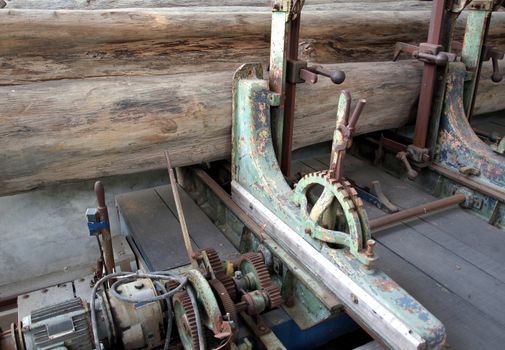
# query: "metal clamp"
[[425, 52], [298, 72], [94, 224]]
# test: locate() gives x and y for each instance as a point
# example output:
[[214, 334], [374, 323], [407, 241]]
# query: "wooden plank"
[[200, 227], [467, 327], [155, 229]]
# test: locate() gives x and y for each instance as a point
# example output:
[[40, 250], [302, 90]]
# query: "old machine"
[[296, 265]]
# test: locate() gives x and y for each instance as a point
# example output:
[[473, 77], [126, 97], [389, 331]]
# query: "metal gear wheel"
[[185, 319], [224, 300], [352, 229], [215, 262], [274, 296], [229, 284], [253, 262]]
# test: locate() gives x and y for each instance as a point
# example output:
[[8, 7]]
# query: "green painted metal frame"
[[255, 169], [457, 145]]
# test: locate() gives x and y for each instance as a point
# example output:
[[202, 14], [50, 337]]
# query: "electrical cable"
[[126, 277]]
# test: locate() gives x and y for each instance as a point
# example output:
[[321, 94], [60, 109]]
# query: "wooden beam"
[[86, 128]]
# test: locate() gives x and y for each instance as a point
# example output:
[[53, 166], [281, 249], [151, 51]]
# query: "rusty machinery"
[[136, 311], [307, 249], [322, 220]]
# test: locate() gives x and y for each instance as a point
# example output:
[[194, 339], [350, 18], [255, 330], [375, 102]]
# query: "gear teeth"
[[215, 261], [274, 294], [185, 301], [229, 284], [256, 259], [227, 304]]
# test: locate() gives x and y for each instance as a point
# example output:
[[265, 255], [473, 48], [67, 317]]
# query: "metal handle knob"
[[337, 77]]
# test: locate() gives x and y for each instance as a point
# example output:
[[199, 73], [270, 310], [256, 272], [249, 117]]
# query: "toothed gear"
[[185, 319], [225, 301], [258, 268], [351, 205], [274, 295], [229, 284], [215, 262]]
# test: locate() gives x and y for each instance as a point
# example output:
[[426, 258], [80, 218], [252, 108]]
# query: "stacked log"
[[100, 91]]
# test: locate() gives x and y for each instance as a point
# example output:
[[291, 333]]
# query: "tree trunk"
[[38, 45], [363, 5], [79, 129]]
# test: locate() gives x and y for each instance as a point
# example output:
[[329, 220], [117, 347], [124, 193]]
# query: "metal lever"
[[494, 55], [427, 53], [411, 173], [344, 130], [337, 77]]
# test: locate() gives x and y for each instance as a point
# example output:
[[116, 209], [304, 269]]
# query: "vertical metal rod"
[[289, 103], [429, 76], [180, 213], [103, 215]]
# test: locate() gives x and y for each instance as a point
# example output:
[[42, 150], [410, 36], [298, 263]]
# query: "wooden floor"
[[149, 217], [452, 262]]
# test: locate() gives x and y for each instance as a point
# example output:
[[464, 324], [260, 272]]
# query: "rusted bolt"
[[354, 299], [469, 171], [370, 247], [308, 231], [45, 290], [26, 296]]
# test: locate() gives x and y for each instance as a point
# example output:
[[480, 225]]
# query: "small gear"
[[253, 262], [185, 319], [224, 300], [274, 295], [214, 261]]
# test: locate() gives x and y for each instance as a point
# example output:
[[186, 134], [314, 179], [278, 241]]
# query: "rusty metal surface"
[[103, 214], [414, 212]]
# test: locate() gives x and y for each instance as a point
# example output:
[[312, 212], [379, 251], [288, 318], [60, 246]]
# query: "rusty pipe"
[[411, 213], [103, 216], [429, 77]]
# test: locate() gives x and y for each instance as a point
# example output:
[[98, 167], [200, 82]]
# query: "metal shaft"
[[429, 77], [397, 218], [103, 214], [180, 213]]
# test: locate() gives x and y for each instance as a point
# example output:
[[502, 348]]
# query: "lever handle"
[[411, 173], [496, 76], [337, 77], [356, 114], [440, 59]]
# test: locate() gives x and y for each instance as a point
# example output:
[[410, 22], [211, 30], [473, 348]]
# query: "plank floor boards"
[[452, 261], [153, 224]]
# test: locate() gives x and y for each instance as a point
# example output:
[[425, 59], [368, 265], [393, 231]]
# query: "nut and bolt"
[[370, 247]]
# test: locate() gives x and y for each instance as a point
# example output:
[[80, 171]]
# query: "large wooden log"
[[78, 129], [38, 45], [111, 4]]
